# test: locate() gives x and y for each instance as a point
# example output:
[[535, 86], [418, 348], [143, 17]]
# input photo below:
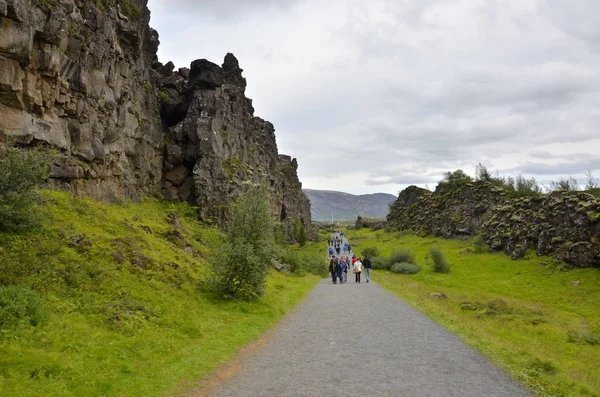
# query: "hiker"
[[357, 270], [346, 265], [330, 251], [337, 249], [333, 269], [367, 265], [354, 259], [340, 271]]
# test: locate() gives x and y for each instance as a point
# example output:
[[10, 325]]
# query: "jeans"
[[367, 273], [357, 277]]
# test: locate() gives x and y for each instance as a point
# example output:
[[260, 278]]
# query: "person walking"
[[340, 271], [367, 265], [357, 270], [333, 269]]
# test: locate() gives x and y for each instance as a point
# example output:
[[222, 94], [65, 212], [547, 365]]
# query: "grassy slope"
[[116, 328], [529, 336]]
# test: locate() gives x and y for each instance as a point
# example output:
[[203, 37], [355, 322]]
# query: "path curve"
[[359, 340]]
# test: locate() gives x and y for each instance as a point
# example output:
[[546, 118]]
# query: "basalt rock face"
[[75, 76], [81, 77], [562, 224], [450, 211], [370, 223], [216, 148], [565, 225]]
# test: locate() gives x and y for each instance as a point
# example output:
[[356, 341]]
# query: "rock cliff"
[[565, 225], [75, 76], [82, 78]]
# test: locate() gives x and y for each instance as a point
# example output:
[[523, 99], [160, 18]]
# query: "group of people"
[[337, 245], [339, 266]]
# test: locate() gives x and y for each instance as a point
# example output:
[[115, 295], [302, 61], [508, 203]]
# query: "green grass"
[[524, 315], [129, 311]]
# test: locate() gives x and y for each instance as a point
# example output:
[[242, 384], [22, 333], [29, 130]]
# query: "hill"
[[345, 206]]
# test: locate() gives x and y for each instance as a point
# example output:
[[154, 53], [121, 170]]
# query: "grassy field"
[[128, 308], [526, 316]]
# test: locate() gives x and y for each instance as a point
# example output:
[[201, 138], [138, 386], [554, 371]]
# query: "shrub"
[[20, 304], [403, 255], [21, 171], [380, 263], [479, 245], [584, 338], [370, 252], [243, 266], [439, 263], [302, 236], [405, 268]]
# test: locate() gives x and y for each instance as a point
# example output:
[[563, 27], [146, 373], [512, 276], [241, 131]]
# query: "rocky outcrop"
[[565, 225], [451, 211], [82, 78], [370, 223], [217, 148], [75, 76]]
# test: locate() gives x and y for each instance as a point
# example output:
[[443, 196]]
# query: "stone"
[[575, 283], [205, 74], [177, 175], [438, 295]]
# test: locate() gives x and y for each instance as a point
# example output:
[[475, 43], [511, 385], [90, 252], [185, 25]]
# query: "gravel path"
[[359, 340]]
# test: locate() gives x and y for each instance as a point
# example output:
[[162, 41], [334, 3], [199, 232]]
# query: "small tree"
[[244, 264], [482, 173], [456, 177], [302, 236], [297, 226], [21, 171], [569, 185], [590, 181]]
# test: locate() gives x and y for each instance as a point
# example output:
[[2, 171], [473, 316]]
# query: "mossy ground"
[[526, 316], [129, 311]]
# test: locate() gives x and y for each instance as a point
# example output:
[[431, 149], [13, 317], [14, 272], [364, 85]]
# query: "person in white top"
[[357, 270]]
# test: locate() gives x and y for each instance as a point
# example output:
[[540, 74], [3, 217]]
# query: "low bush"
[[479, 245], [584, 338], [405, 268], [370, 252], [403, 255], [20, 304], [438, 261], [302, 264], [380, 263]]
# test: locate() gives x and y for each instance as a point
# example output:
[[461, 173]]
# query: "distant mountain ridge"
[[346, 206]]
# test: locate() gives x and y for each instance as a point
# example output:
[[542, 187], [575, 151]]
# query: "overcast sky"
[[372, 96]]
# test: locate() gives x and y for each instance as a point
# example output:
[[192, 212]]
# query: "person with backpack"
[[367, 265], [341, 270], [357, 270]]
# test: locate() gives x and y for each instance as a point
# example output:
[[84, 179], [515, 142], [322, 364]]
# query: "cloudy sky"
[[372, 96]]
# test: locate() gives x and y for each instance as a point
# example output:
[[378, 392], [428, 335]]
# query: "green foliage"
[[297, 226], [244, 264], [21, 171], [370, 252], [564, 185], [482, 173], [232, 165], [20, 304], [302, 264], [439, 263], [102, 4], [302, 236], [405, 268], [454, 178], [402, 255], [521, 186], [380, 263], [479, 244], [129, 9], [163, 96]]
